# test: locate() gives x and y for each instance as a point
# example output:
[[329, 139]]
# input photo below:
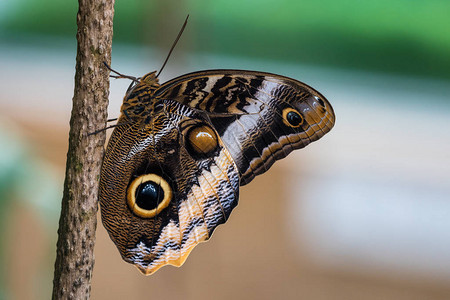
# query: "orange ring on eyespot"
[[286, 117], [131, 195]]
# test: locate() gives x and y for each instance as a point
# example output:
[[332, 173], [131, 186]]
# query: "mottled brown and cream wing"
[[180, 150], [166, 183], [260, 117]]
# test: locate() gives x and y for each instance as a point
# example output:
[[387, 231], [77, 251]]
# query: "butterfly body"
[[173, 168]]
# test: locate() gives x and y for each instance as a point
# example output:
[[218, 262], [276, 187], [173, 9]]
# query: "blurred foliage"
[[24, 180], [399, 36]]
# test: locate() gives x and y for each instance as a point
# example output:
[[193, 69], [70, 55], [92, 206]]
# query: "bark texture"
[[77, 224]]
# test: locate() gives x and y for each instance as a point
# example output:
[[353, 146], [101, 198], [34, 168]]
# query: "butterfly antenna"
[[108, 127], [173, 45], [119, 75]]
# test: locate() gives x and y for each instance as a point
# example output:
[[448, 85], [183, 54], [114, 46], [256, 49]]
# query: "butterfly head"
[[150, 79]]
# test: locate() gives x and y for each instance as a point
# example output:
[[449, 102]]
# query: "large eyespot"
[[148, 195], [292, 118], [201, 140]]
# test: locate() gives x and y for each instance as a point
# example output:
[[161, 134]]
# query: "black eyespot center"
[[294, 118], [149, 195]]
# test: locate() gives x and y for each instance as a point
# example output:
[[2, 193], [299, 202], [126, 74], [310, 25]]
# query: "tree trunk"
[[78, 220]]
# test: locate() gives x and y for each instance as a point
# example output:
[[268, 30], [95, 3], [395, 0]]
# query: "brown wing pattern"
[[252, 113], [174, 163], [156, 160]]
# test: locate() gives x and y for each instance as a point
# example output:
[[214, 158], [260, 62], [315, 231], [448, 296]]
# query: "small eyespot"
[[318, 99], [202, 140], [292, 118], [148, 195]]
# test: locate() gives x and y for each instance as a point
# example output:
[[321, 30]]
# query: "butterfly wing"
[[172, 169], [260, 117], [166, 183]]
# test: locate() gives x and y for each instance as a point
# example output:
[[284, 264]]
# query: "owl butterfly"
[[180, 151]]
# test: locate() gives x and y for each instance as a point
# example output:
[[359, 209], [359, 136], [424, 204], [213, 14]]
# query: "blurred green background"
[[362, 214], [401, 36]]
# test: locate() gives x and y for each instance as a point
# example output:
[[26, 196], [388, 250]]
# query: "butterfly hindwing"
[[147, 162]]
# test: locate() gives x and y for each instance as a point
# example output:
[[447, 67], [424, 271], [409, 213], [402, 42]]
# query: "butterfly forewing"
[[251, 111]]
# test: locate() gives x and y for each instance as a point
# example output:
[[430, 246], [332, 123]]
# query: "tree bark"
[[78, 221]]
